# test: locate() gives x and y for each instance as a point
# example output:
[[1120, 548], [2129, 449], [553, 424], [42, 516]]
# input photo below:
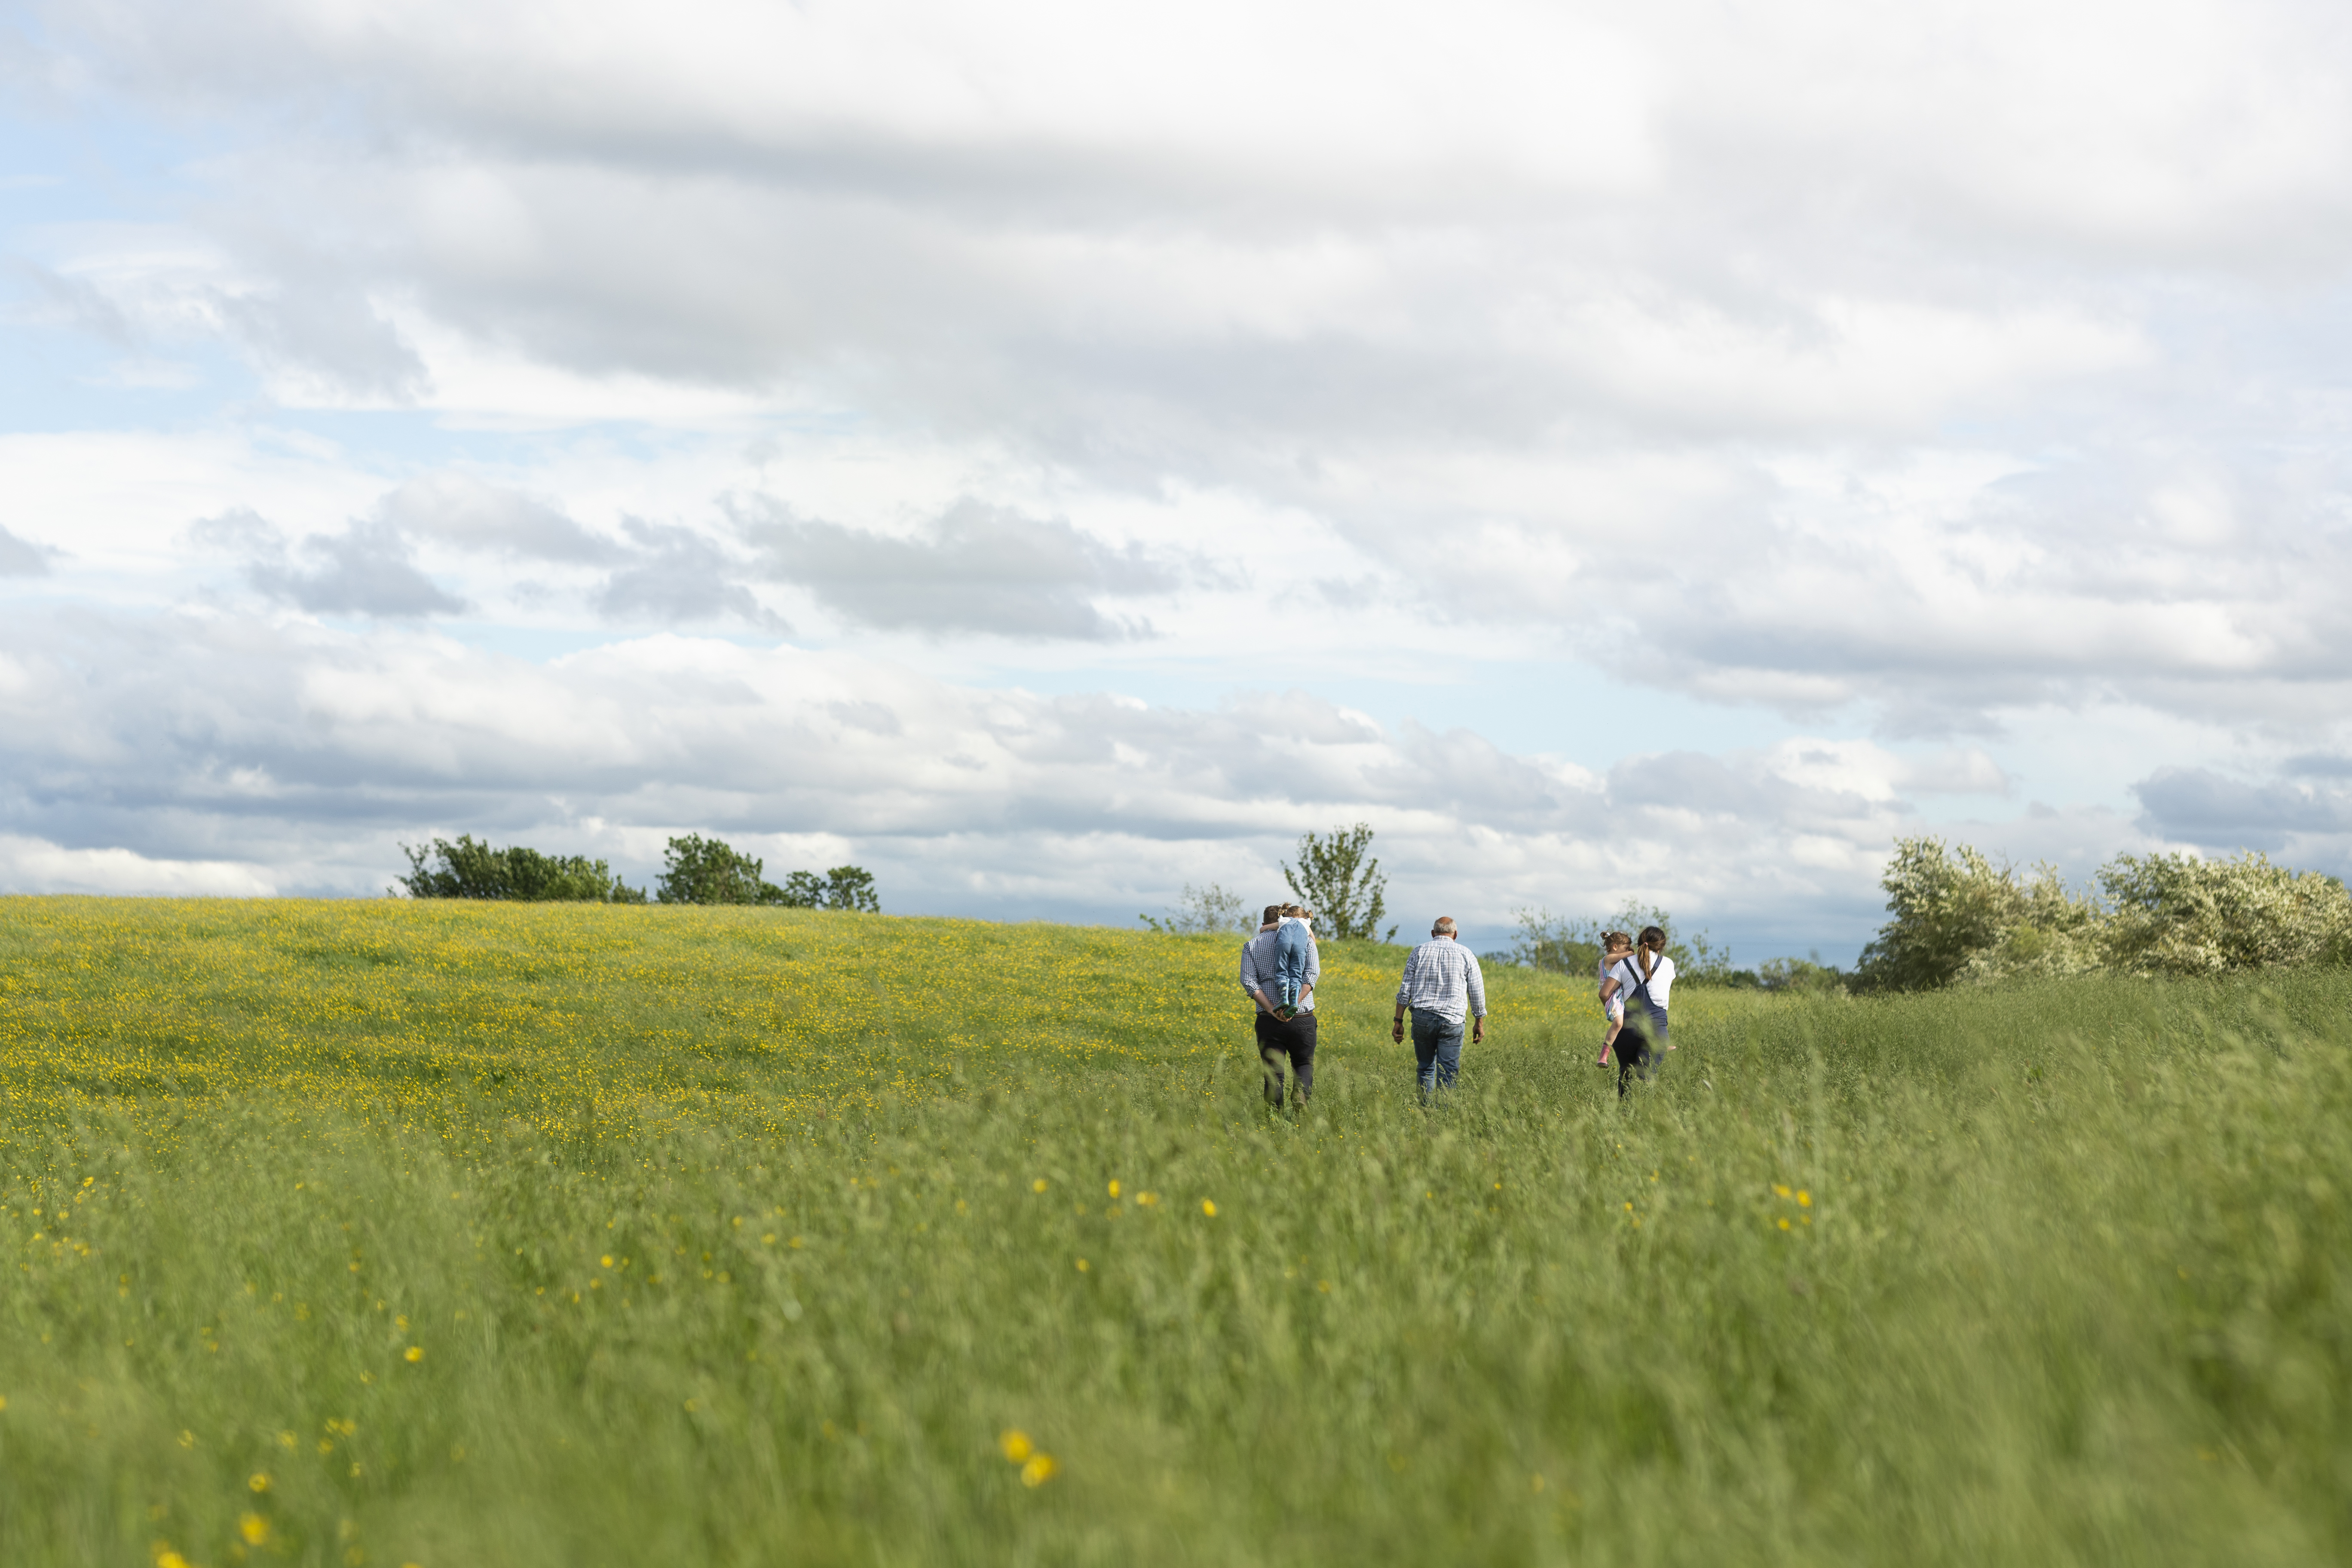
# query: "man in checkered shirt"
[[1442, 985]]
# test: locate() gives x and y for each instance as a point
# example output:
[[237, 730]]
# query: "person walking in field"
[[1647, 975], [1294, 939], [1285, 1035], [1444, 989]]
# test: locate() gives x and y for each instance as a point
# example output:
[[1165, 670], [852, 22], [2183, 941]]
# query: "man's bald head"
[[1444, 926]]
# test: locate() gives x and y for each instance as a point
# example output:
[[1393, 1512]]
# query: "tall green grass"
[[2063, 1276]]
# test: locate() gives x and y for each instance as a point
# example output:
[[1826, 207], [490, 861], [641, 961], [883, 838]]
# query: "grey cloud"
[[485, 517], [328, 331], [977, 569], [2199, 807], [678, 577], [20, 559], [2318, 765], [366, 569], [78, 302], [871, 716]]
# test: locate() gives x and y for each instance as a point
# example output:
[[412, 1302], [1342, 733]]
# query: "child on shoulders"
[[1294, 939]]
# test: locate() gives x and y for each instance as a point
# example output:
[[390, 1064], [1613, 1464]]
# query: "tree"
[[1345, 890], [698, 870], [1204, 911], [1573, 946], [849, 888], [471, 869]]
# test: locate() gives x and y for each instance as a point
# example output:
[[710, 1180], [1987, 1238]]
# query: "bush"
[[1795, 976], [472, 869], [1960, 917], [698, 870], [2174, 914]]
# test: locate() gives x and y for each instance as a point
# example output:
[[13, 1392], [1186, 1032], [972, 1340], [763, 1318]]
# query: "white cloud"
[[1932, 377], [34, 865]]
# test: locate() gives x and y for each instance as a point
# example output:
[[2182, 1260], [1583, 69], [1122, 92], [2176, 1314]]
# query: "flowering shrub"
[[2174, 914], [1957, 916]]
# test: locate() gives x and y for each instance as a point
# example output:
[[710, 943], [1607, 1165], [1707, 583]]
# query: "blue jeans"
[[1437, 1048], [1292, 947]]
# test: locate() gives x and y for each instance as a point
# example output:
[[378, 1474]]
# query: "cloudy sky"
[[1053, 453]]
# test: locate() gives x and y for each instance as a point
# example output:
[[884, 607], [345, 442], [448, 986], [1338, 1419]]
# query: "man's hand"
[[1397, 1033], [1478, 1032]]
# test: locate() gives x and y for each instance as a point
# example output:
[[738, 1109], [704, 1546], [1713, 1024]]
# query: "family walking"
[[1443, 993]]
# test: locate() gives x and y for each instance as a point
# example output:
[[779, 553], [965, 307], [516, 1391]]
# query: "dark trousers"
[[1639, 1043], [1291, 1045], [1436, 1049]]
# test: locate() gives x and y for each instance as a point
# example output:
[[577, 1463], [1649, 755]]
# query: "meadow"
[[449, 1234]]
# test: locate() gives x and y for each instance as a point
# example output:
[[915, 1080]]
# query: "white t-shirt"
[[1662, 978]]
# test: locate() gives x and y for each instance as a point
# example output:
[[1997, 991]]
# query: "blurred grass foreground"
[[464, 1234]]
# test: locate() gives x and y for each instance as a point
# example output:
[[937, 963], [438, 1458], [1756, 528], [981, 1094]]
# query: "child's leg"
[[1289, 964], [1615, 1021]]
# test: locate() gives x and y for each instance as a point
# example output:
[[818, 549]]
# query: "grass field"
[[395, 1233]]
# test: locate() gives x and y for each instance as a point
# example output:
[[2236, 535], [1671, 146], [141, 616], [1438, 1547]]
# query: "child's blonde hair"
[[1611, 941]]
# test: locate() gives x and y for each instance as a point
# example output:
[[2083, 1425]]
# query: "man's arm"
[[1252, 982], [1404, 993], [1477, 982]]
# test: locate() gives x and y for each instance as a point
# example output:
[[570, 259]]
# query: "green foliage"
[[472, 869], [1571, 946], [1794, 976], [1957, 916], [842, 887], [721, 1236], [1335, 879], [2174, 915], [1205, 911], [698, 870]]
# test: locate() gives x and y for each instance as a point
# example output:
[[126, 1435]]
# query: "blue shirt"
[[1258, 974]]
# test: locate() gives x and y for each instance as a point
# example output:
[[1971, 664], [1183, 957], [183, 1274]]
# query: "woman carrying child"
[[1647, 975]]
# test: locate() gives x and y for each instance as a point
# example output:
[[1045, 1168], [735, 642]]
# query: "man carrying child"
[[1281, 959]]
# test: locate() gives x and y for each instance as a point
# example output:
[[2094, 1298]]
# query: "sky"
[[1054, 455]]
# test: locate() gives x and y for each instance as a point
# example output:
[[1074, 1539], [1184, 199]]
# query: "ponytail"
[[1654, 945]]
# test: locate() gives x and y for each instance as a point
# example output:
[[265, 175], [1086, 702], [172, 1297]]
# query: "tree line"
[[1959, 917], [1956, 917], [694, 871]]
